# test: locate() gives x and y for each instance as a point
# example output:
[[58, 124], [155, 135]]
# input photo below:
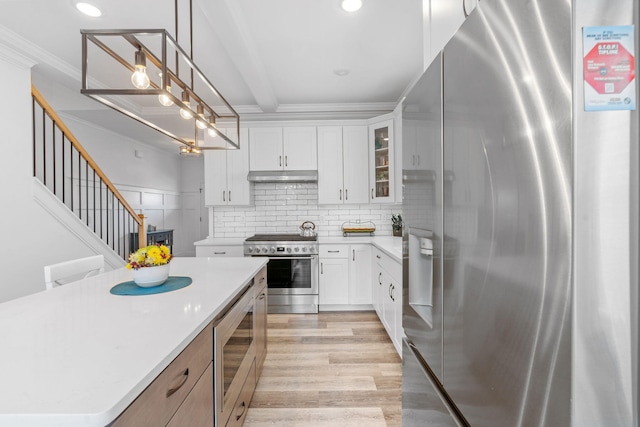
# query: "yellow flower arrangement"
[[149, 256]]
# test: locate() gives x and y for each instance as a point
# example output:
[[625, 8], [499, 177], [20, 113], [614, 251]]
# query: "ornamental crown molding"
[[28, 54]]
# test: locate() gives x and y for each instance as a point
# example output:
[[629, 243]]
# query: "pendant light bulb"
[[164, 99], [184, 112], [201, 122], [212, 133], [139, 78]]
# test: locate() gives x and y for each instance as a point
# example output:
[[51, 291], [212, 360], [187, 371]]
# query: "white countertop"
[[390, 245], [220, 241], [78, 356]]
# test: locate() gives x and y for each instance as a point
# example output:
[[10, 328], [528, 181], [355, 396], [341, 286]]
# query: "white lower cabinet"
[[345, 276], [360, 274], [387, 291], [334, 275]]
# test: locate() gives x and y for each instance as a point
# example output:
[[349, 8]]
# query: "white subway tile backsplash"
[[282, 207]]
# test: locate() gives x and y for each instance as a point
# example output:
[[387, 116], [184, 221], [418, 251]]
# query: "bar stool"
[[73, 270]]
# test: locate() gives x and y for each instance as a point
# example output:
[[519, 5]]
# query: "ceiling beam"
[[227, 22]]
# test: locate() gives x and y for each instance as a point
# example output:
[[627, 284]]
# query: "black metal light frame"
[[168, 76]]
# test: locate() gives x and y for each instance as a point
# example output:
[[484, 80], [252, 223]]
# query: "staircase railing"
[[69, 172]]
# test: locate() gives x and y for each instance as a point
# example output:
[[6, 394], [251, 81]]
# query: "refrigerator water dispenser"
[[421, 273]]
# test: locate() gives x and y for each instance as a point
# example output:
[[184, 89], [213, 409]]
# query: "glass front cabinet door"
[[381, 157]]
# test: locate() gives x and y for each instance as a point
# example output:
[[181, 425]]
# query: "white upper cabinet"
[[342, 165], [381, 162], [330, 179], [300, 148], [275, 148], [225, 174], [355, 159], [415, 149], [265, 147]]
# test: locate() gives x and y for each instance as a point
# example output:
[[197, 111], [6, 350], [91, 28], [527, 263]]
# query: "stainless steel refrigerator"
[[521, 228]]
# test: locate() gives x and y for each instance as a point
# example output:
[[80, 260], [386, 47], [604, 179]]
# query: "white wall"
[[32, 238], [282, 208], [160, 184]]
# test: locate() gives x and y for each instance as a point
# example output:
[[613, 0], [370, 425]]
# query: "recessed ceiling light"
[[341, 72], [351, 5], [89, 9]]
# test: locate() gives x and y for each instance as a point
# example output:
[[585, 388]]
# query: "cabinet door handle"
[[346, 194], [354, 254], [280, 161], [390, 296], [224, 199], [414, 159], [185, 376], [262, 296], [340, 194], [321, 268], [243, 406], [229, 195], [378, 256], [333, 252], [372, 193], [219, 253], [418, 159], [380, 278], [286, 161]]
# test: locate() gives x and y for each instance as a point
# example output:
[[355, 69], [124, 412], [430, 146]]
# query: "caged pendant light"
[[139, 72]]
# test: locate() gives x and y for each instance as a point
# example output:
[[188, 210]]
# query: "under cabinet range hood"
[[283, 176]]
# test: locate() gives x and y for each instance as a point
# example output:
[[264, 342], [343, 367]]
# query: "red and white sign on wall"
[[609, 68]]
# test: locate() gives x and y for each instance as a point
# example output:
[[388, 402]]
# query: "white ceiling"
[[269, 58]]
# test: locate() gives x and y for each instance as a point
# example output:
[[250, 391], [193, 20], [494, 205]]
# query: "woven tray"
[[358, 228]]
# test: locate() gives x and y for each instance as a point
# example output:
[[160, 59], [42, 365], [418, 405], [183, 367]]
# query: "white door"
[[265, 149], [360, 290], [239, 189], [330, 188], [397, 313], [300, 148], [334, 281], [356, 164], [215, 177], [381, 170], [388, 306]]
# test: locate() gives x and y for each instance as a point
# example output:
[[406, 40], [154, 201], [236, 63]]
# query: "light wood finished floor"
[[328, 369]]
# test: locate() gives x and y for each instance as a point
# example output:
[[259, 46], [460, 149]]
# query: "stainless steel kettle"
[[307, 229]]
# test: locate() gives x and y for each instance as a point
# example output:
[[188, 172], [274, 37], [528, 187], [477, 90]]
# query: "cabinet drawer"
[[197, 408], [393, 267], [242, 404], [334, 251], [157, 403], [219, 251]]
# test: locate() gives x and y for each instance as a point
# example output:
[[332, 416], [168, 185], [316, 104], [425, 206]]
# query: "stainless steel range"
[[292, 271]]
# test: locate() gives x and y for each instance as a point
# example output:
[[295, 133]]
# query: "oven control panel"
[[277, 249]]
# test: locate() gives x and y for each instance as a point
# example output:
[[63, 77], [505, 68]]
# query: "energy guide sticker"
[[609, 68]]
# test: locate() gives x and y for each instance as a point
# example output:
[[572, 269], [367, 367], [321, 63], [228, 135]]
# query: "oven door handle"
[[294, 257]]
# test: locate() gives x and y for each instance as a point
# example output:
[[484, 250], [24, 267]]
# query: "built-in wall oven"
[[234, 352], [292, 271]]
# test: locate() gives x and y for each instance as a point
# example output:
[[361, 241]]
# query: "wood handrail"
[[138, 218]]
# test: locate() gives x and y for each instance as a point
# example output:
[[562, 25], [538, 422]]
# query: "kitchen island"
[[77, 355]]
